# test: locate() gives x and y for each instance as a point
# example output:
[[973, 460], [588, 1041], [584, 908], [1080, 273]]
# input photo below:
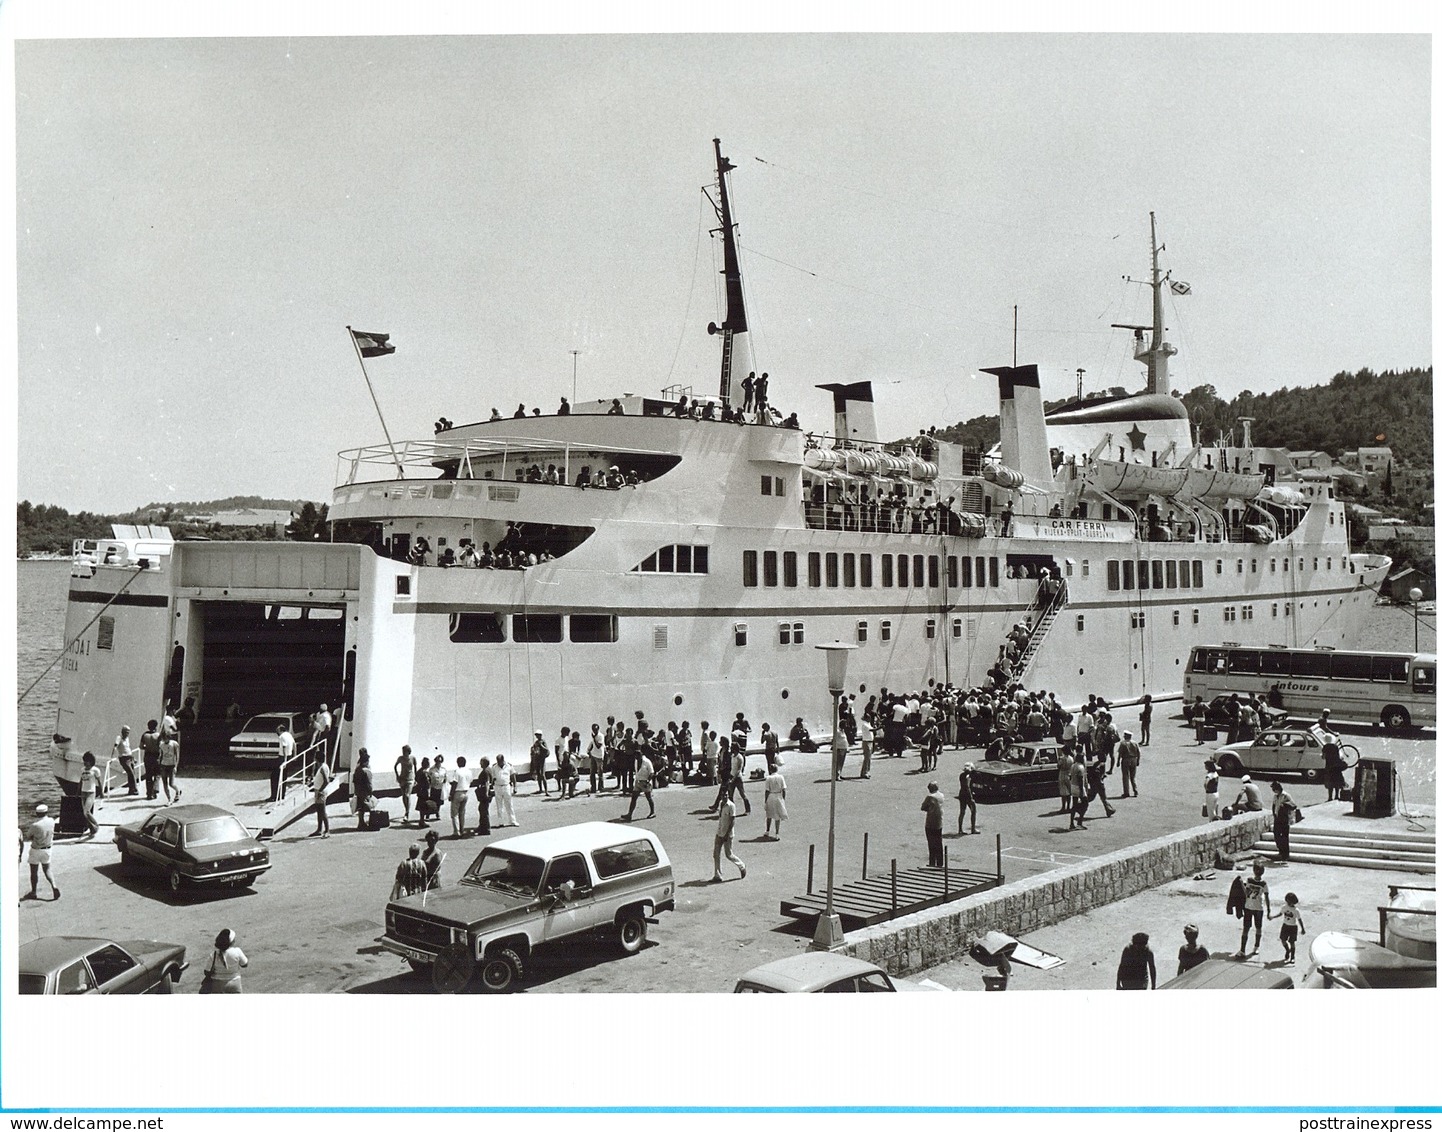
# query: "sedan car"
[[68, 964], [1021, 770], [823, 972], [1276, 750], [194, 845], [257, 740]]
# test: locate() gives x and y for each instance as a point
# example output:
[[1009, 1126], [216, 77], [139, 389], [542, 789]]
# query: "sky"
[[199, 219]]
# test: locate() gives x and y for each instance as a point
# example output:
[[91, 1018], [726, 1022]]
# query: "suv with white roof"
[[530, 890]]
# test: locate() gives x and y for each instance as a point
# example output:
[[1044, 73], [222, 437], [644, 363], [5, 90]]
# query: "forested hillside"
[[41, 529]]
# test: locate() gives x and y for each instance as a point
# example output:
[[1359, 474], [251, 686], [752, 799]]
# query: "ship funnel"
[[1023, 423], [855, 411]]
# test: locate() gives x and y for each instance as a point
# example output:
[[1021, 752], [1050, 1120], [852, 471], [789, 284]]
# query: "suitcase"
[[379, 819]]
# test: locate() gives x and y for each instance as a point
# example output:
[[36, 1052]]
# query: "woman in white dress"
[[775, 803]]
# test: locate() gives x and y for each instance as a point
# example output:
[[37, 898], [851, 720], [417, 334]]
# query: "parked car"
[[1228, 974], [823, 972], [69, 964], [1341, 961], [1021, 770], [524, 891], [257, 740], [193, 844], [1277, 750]]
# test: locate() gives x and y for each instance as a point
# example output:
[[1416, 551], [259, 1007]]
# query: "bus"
[[1396, 689]]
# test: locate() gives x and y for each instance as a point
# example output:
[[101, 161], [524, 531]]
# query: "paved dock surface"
[[311, 922]]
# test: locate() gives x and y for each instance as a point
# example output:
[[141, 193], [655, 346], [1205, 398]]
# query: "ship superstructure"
[[642, 554]]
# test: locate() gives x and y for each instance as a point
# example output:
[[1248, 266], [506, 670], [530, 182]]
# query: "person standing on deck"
[[90, 790], [538, 763], [286, 743], [748, 388], [760, 399]]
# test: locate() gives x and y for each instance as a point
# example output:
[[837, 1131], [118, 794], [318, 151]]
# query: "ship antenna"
[[735, 305], [1158, 351]]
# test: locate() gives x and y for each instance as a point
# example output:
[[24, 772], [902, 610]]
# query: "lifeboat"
[[1282, 497], [861, 463], [1117, 477], [822, 459], [1213, 483], [1002, 476], [970, 525], [923, 470]]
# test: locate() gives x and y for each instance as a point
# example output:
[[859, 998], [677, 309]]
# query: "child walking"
[[1291, 924]]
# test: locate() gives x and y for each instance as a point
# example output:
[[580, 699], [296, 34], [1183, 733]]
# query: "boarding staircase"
[[1394, 851], [1042, 618]]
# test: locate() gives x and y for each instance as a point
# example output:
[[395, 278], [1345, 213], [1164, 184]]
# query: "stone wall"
[[937, 935]]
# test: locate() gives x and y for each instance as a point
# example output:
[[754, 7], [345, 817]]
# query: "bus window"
[[1244, 660], [1424, 679], [1317, 664], [1207, 660], [1393, 669], [1346, 666], [1276, 663]]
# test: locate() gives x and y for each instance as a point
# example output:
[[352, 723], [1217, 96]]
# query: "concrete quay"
[[311, 922]]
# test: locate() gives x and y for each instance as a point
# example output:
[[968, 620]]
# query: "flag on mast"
[[372, 345], [1180, 288]]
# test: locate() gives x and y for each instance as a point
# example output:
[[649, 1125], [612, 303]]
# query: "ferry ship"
[[665, 560]]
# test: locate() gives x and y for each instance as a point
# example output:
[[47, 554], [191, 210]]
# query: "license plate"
[[412, 953]]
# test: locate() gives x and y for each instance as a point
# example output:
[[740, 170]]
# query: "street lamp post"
[[829, 935], [1416, 595]]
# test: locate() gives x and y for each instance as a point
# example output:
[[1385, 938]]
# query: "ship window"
[[813, 569], [1197, 573], [788, 568], [748, 567], [1176, 618], [933, 571], [1086, 567], [1285, 563], [1196, 617], [931, 628], [956, 628], [866, 571], [1171, 575], [994, 572], [903, 569], [768, 568], [1229, 613], [477, 629], [848, 569], [798, 633], [536, 628], [1157, 575], [683, 559], [980, 571], [666, 560], [1081, 623], [833, 574], [917, 577], [1128, 570], [648, 564], [1114, 574], [593, 628], [886, 630], [403, 585], [1314, 564], [1219, 565], [951, 574], [1246, 613], [739, 629], [1239, 566], [1274, 609], [105, 633], [886, 575], [1329, 564], [861, 629], [1139, 620], [1144, 575], [700, 560], [783, 633], [765, 485], [966, 573]]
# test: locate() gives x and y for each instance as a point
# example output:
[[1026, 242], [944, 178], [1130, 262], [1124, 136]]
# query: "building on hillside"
[[1422, 539], [1317, 460], [1398, 586], [250, 517]]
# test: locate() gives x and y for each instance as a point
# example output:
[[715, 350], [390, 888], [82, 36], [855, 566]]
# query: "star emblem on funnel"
[[1137, 437]]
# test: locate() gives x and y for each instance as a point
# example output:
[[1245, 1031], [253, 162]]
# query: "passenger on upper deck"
[[520, 411], [681, 409], [583, 477], [616, 409], [565, 409], [495, 413]]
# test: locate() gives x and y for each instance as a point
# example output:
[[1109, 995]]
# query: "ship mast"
[[1156, 354], [735, 306]]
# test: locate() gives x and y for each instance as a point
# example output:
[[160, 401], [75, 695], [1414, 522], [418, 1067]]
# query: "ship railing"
[[425, 457], [300, 766]]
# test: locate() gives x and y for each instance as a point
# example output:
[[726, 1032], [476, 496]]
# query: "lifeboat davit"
[[1117, 477], [1002, 476], [1214, 483]]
